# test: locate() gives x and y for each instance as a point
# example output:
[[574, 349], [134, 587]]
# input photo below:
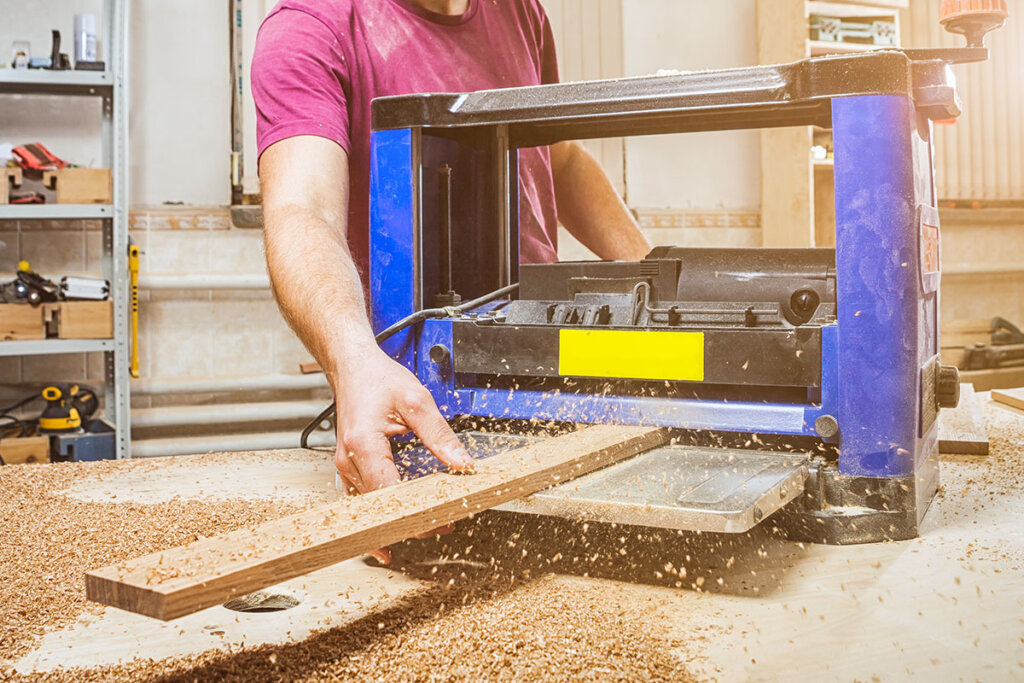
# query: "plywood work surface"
[[962, 429], [516, 598], [184, 580], [1011, 397]]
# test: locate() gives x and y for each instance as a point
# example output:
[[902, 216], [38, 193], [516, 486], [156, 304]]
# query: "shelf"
[[852, 8], [43, 347], [824, 163], [43, 82], [42, 212], [828, 47], [983, 270]]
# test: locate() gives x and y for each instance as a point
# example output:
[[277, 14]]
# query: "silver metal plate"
[[675, 487], [679, 487]]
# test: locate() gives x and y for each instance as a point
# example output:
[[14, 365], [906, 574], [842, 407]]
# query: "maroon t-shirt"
[[319, 63]]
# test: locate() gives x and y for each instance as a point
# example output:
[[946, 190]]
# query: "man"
[[317, 66]]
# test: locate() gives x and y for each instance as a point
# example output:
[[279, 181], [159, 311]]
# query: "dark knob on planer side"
[[947, 386]]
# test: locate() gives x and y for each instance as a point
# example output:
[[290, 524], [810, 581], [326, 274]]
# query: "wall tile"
[[60, 367], [243, 352], [54, 253], [179, 353], [179, 252]]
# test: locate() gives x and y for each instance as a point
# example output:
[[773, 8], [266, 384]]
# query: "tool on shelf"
[[29, 287], [67, 406], [58, 60], [1005, 350], [133, 269]]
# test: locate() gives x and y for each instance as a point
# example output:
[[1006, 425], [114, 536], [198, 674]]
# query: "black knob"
[[439, 353], [827, 426], [947, 386], [803, 303]]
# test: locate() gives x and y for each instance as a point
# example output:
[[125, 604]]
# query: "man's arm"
[[590, 208], [305, 213]]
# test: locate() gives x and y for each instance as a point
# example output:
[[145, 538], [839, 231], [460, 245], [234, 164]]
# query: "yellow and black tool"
[[67, 405], [133, 268]]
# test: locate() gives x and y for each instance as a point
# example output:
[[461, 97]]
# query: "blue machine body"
[[878, 355]]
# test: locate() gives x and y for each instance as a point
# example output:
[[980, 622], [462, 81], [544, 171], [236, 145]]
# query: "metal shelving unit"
[[112, 87], [55, 212]]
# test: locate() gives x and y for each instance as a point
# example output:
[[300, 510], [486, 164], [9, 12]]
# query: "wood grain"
[[184, 580], [994, 378], [21, 321], [85, 319], [310, 367], [962, 429], [1011, 397]]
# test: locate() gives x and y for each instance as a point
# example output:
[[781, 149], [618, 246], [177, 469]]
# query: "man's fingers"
[[347, 469], [421, 414], [370, 454]]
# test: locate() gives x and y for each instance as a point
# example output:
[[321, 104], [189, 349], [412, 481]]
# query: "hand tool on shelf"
[[67, 406], [133, 269]]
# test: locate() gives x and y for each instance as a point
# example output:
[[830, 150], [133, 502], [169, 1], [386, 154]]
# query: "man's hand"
[[305, 214], [377, 399]]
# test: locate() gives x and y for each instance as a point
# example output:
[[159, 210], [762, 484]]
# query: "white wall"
[[180, 102], [696, 171]]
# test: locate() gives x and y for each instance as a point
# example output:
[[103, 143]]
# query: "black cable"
[[408, 321]]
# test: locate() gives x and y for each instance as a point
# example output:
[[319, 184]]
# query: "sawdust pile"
[[509, 618], [485, 631], [48, 541]]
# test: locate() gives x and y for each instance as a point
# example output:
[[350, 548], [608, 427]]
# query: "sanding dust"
[[299, 475]]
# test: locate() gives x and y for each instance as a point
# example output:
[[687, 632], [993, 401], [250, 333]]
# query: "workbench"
[[680, 606]]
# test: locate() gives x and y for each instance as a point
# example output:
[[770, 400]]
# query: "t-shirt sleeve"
[[548, 56], [299, 80]]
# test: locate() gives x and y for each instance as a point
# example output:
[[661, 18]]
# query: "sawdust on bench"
[[510, 619]]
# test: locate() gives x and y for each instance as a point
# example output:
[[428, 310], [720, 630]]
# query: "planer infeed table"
[[836, 350]]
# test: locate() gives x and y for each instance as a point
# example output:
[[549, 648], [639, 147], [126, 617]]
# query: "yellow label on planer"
[[632, 354]]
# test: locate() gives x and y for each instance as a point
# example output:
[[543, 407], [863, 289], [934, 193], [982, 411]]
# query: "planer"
[[805, 383]]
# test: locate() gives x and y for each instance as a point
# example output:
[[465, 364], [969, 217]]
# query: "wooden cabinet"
[[797, 199]]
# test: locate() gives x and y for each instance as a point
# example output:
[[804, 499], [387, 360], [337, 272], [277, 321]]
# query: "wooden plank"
[[962, 429], [184, 580], [310, 367], [1011, 397], [85, 320], [21, 321], [994, 378], [22, 450], [81, 185], [10, 176]]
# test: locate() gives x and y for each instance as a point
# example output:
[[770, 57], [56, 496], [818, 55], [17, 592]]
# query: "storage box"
[[21, 321], [9, 177], [27, 449], [95, 443], [81, 185], [83, 319]]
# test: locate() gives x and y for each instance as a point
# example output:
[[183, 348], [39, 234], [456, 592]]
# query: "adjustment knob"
[[947, 386], [973, 18]]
